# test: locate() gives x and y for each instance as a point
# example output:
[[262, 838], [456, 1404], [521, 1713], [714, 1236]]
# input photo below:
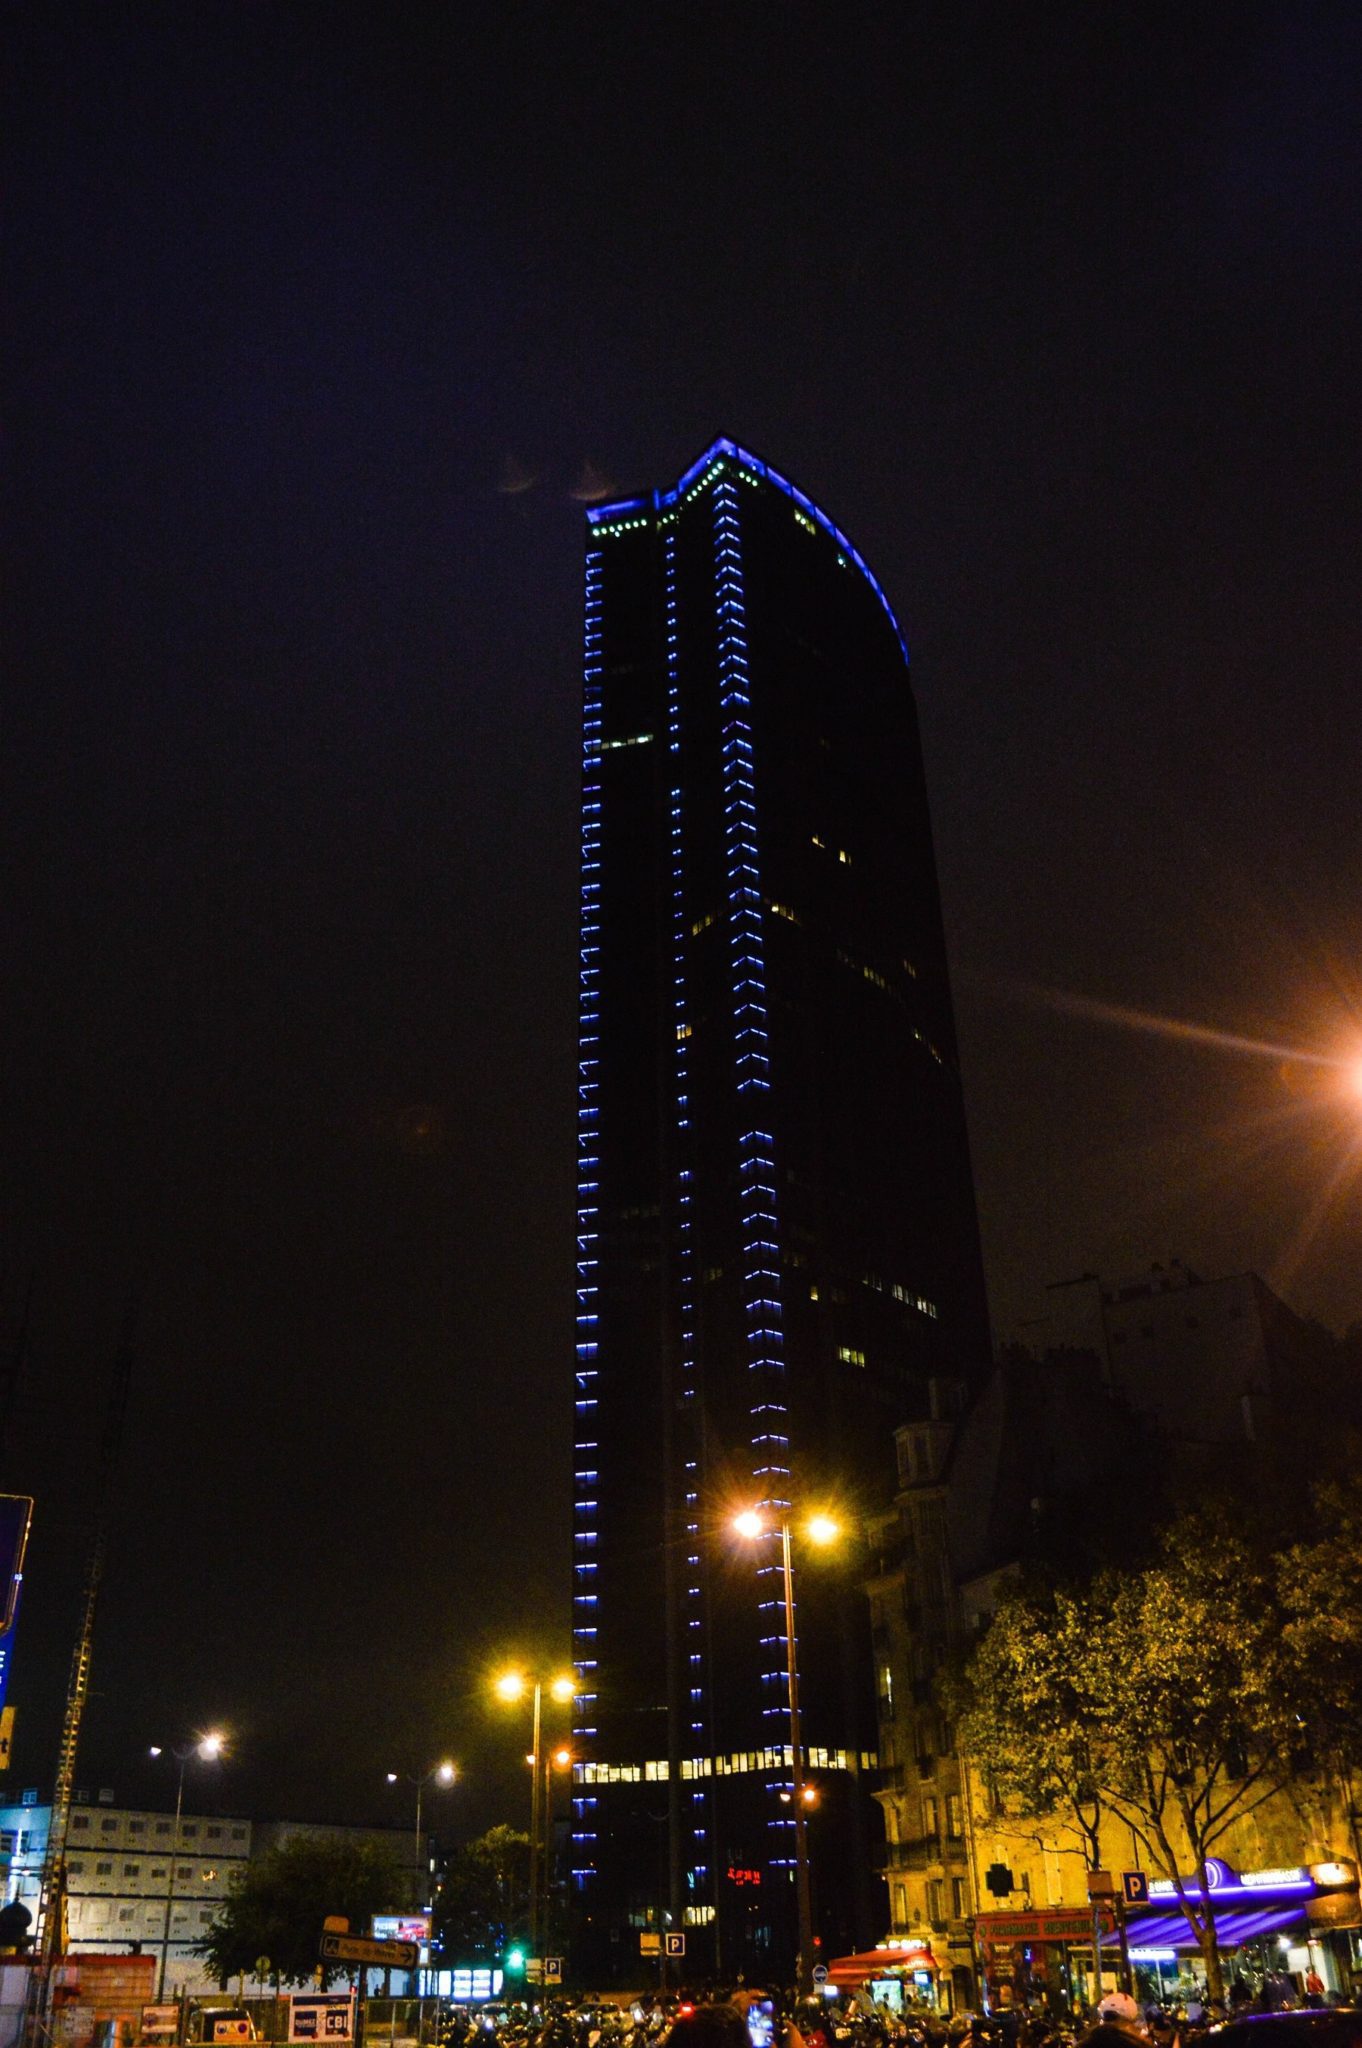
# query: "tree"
[[482, 1906], [276, 1906], [1319, 1584], [1170, 1695], [1022, 1712], [1197, 1703]]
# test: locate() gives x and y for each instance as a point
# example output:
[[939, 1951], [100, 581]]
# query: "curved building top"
[[719, 452]]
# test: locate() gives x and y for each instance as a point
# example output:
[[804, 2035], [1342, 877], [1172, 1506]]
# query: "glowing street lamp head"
[[821, 1529], [563, 1689], [445, 1774], [391, 1777], [510, 1685], [211, 1746], [750, 1524], [562, 1757]]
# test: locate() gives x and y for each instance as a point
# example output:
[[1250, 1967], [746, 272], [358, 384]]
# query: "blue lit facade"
[[777, 1248]]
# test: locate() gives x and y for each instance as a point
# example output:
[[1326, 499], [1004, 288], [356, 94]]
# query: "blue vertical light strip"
[[765, 1340], [697, 1858], [587, 1435]]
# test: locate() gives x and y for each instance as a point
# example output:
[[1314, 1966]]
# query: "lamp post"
[[207, 1749], [820, 1529], [512, 1686], [439, 1774]]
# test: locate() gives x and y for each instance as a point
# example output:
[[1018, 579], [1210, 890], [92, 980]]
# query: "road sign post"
[[376, 1955]]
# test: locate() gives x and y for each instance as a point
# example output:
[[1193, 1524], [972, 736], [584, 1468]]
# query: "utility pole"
[[48, 1934]]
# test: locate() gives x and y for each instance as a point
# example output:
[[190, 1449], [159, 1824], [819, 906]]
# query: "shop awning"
[[1234, 1925], [879, 1962]]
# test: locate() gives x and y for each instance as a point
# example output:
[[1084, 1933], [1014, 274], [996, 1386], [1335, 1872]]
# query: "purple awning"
[[1234, 1925]]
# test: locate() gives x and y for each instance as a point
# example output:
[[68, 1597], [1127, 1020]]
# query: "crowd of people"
[[744, 2019]]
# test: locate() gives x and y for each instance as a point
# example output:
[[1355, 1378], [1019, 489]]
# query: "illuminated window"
[[850, 1356]]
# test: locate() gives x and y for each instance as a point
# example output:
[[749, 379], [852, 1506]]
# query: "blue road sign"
[[1135, 1887]]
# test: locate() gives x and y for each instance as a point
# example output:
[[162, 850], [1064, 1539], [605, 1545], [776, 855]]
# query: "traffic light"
[[515, 1961]]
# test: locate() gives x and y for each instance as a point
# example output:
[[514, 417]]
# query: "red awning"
[[879, 1962]]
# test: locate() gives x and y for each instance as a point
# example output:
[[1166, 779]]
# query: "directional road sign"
[[1135, 1887], [379, 1955], [676, 1944], [650, 1944], [820, 1973]]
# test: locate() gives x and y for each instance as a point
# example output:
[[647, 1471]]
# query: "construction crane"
[[47, 1939]]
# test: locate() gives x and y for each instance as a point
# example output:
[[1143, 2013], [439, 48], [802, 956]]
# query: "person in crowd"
[[1119, 2022], [709, 2026]]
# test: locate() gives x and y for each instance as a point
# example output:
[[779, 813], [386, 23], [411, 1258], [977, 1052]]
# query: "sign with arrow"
[[376, 1955]]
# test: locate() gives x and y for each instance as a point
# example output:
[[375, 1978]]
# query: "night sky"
[[320, 322]]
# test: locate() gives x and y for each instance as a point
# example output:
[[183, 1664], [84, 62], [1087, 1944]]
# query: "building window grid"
[[756, 1159], [684, 1172], [588, 1164]]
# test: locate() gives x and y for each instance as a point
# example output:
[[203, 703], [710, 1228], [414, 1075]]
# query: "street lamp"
[[752, 1525], [207, 1749], [512, 1686], [439, 1774]]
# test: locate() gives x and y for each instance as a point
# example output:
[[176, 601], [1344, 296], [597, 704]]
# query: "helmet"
[[1119, 2005]]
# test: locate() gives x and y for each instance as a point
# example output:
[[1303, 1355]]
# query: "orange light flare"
[[1307, 1128]]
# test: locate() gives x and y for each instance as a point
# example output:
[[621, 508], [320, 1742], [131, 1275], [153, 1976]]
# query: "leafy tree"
[[1319, 1584], [276, 1906], [1023, 1712], [1197, 1704], [1169, 1695], [482, 1906]]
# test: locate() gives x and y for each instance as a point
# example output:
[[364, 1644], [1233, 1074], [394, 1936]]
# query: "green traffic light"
[[515, 1958]]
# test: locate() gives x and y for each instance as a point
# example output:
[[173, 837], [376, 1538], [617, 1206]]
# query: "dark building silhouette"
[[777, 1245]]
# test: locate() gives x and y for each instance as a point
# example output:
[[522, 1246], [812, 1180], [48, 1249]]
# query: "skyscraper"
[[777, 1245]]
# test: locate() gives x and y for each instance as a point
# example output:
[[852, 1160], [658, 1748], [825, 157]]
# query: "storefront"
[[1041, 1957], [896, 1973], [1291, 1922]]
